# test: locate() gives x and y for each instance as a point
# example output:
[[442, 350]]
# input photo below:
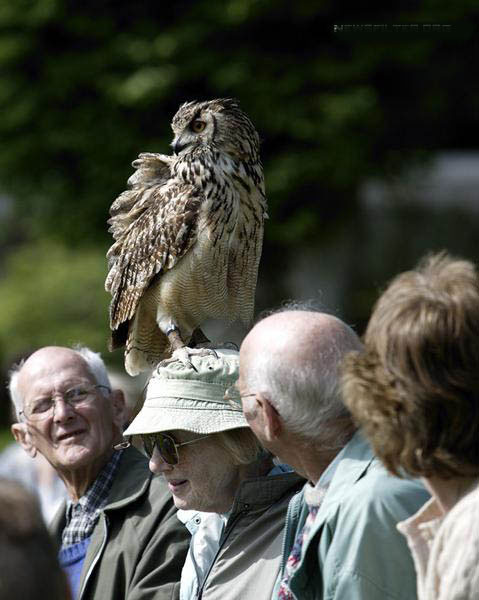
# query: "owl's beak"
[[178, 145]]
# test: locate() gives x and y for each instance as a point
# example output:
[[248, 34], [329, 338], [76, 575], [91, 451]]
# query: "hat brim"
[[167, 414]]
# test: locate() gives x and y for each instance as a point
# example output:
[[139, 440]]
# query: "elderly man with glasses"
[[119, 533], [233, 499]]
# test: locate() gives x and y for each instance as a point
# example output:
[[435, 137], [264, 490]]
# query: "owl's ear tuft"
[[228, 103]]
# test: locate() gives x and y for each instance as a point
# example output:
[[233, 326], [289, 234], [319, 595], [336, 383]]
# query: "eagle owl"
[[188, 234]]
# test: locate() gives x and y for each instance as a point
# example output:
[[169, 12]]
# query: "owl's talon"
[[183, 355]]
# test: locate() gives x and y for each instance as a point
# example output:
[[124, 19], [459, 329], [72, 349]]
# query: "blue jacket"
[[353, 550]]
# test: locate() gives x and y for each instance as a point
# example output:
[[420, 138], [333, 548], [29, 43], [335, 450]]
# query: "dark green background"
[[86, 86]]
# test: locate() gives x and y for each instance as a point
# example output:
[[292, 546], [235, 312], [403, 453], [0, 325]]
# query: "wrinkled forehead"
[[46, 371]]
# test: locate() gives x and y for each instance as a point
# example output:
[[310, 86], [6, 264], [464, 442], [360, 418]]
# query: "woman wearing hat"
[[231, 496]]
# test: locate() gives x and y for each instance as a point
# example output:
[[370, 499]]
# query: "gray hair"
[[242, 445], [95, 366], [308, 394]]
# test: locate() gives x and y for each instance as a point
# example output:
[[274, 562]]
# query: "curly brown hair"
[[415, 388]]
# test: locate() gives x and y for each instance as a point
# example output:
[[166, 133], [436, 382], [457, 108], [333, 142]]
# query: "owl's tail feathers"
[[138, 360], [146, 344]]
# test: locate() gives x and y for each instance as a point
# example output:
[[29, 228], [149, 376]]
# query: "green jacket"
[[354, 551], [138, 546]]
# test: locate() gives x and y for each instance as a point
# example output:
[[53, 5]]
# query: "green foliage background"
[[86, 86]]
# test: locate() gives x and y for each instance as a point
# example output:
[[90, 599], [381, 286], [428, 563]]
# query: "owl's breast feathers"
[[205, 203]]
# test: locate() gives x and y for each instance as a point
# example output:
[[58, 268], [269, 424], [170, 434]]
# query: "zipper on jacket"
[[225, 535], [97, 556], [290, 522]]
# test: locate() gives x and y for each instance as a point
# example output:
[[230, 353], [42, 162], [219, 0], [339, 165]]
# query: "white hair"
[[307, 393], [95, 366]]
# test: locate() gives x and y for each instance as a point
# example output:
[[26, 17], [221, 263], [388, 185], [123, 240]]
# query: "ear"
[[22, 435], [118, 405], [271, 419]]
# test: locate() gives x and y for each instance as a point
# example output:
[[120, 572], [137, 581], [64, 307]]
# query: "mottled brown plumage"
[[188, 234]]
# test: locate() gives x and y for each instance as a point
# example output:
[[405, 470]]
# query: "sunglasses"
[[166, 445]]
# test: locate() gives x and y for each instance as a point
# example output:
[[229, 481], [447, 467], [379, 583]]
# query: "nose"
[[158, 465], [62, 411]]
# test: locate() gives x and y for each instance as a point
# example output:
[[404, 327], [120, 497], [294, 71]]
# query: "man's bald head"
[[47, 356], [295, 336], [294, 357]]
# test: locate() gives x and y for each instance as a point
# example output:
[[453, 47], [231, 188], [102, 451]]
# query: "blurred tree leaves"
[[52, 295], [87, 86]]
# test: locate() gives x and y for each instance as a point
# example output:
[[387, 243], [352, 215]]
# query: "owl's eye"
[[197, 126]]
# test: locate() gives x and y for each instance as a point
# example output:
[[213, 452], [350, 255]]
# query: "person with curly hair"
[[414, 390]]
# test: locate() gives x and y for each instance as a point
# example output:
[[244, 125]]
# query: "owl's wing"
[[152, 171], [163, 229]]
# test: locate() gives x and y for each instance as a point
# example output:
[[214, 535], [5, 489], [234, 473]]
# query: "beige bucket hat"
[[180, 397]]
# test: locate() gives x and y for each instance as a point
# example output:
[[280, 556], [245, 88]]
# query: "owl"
[[188, 235]]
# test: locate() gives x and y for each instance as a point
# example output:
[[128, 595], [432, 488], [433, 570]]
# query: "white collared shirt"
[[206, 529]]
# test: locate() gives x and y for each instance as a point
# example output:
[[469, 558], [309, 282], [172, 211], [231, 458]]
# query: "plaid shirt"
[[82, 517]]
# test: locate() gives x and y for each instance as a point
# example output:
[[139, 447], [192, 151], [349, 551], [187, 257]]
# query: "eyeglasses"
[[234, 397], [76, 397], [166, 445]]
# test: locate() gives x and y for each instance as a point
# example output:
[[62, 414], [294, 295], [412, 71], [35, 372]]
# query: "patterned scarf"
[[284, 592]]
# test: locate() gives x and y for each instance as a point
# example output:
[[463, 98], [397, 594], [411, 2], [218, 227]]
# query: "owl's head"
[[219, 123]]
